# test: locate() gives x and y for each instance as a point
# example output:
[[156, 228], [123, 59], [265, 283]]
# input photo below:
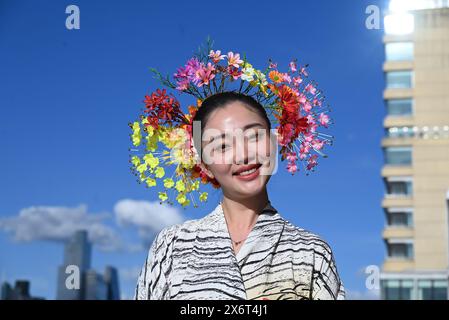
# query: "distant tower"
[[111, 279], [77, 252], [93, 286]]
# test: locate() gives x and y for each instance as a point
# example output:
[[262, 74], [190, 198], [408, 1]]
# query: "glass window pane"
[[409, 253], [400, 250], [440, 290], [397, 107], [398, 219], [398, 156], [399, 51], [399, 79]]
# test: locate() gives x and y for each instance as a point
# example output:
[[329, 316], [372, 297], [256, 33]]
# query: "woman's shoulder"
[[169, 234], [306, 238]]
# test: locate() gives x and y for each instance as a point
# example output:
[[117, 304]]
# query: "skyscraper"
[[416, 150], [77, 253], [92, 286]]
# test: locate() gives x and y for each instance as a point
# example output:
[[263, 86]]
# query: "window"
[[400, 219], [400, 132], [432, 289], [398, 155], [400, 250], [399, 79], [397, 289], [399, 51], [399, 107], [399, 188]]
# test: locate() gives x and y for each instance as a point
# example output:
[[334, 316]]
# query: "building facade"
[[416, 150]]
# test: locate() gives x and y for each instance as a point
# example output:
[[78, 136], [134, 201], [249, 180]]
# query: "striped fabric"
[[195, 260]]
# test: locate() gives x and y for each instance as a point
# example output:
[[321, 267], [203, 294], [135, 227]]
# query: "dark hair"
[[220, 100]]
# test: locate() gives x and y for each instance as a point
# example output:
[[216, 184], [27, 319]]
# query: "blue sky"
[[67, 96]]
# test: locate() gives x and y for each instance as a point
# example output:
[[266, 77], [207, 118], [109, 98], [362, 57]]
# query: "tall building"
[[92, 286], [20, 291], [416, 150], [77, 252]]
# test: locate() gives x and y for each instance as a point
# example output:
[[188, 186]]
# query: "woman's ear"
[[206, 170]]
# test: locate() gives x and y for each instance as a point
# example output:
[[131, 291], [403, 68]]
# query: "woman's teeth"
[[244, 173]]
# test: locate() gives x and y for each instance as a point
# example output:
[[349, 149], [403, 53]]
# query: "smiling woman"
[[244, 248]]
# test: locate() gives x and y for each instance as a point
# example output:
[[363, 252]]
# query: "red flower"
[[163, 109]]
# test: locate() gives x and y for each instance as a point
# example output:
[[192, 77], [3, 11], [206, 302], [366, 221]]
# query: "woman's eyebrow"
[[248, 126]]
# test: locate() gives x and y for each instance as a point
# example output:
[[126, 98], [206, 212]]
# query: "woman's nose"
[[242, 153]]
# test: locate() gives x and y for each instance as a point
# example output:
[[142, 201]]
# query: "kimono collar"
[[268, 223]]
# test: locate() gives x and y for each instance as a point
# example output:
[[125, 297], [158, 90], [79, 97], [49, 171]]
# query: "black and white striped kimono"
[[195, 260]]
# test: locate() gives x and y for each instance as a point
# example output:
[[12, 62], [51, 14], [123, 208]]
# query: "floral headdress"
[[162, 137]]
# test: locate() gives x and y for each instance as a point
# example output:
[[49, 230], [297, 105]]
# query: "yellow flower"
[[180, 186], [151, 182], [151, 160], [135, 160], [163, 196], [136, 135], [181, 198], [151, 142], [168, 183], [142, 168], [203, 196], [159, 172], [186, 203], [195, 185]]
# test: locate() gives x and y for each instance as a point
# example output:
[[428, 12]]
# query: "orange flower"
[[275, 76]]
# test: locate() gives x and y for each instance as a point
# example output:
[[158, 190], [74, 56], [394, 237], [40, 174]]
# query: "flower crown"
[[162, 138]]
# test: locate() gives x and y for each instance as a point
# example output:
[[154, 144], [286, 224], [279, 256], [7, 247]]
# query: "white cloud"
[[148, 217], [57, 223]]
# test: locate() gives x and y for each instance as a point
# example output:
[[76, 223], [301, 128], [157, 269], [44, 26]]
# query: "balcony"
[[398, 232]]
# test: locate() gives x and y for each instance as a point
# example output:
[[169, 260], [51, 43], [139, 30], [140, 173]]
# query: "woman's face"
[[236, 138]]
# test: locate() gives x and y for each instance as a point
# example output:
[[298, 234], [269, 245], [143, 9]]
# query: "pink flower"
[[293, 66], [297, 81], [311, 162], [304, 72], [292, 156], [308, 137], [307, 106], [286, 77], [235, 73], [183, 84], [187, 74], [310, 119], [324, 119], [317, 144], [234, 59], [310, 88], [316, 102], [216, 56], [205, 74], [273, 65], [292, 167], [302, 98]]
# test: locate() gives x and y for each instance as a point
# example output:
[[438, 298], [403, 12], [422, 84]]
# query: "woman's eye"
[[255, 136], [222, 147]]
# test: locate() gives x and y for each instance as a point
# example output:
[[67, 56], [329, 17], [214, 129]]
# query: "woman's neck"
[[242, 214]]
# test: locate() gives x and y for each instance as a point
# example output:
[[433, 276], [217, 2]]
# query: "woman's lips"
[[250, 176]]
